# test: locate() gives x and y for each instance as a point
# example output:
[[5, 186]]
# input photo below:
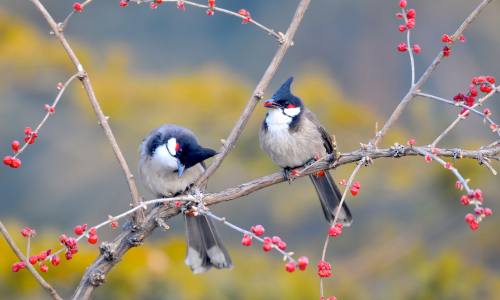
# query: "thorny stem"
[[52, 292]]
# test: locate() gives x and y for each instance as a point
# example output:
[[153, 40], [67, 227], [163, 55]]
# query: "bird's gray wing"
[[327, 138]]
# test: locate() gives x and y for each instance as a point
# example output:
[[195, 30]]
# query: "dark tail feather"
[[205, 247], [330, 196]]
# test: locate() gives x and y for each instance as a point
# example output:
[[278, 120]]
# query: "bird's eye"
[[177, 147], [290, 106]]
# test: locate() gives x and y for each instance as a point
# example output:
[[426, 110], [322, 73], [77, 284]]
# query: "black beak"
[[180, 168]]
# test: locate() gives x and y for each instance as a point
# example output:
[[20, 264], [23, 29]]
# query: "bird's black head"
[[284, 99], [176, 148]]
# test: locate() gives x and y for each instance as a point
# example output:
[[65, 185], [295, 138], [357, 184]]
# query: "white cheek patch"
[[163, 159], [292, 112], [171, 144], [277, 118]]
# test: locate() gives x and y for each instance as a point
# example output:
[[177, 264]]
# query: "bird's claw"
[[290, 174]]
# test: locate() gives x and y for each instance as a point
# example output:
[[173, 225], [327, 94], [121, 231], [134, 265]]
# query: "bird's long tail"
[[330, 196], [205, 247]]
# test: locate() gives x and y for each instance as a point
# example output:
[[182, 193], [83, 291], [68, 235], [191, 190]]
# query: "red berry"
[[258, 230], [473, 91], [446, 39], [324, 269], [211, 3], [487, 112], [402, 47], [42, 255], [28, 232], [267, 240], [478, 194], [485, 88], [78, 230], [335, 231], [410, 23], [114, 224], [92, 239], [55, 260], [417, 49], [68, 255], [33, 259], [399, 15], [16, 163], [210, 12], [302, 263], [244, 12], [459, 97], [474, 225], [27, 130], [15, 145], [462, 38], [488, 211], [354, 191], [267, 247], [123, 3], [459, 185], [78, 7], [159, 1], [18, 266], [446, 51], [44, 268], [282, 245], [465, 200], [470, 218], [428, 158], [7, 160], [246, 240], [290, 267], [411, 13], [49, 108], [491, 79], [153, 5], [92, 231], [411, 142], [276, 239], [320, 174], [403, 3], [402, 28]]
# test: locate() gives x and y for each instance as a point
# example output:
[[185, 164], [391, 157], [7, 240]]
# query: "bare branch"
[[103, 120], [53, 293]]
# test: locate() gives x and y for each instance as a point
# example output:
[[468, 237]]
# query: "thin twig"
[[53, 293], [103, 120], [48, 114], [257, 94], [462, 116], [344, 195], [426, 75], [410, 50]]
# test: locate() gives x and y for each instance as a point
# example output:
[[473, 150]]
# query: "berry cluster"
[[484, 84], [409, 18], [268, 243], [246, 14], [324, 269], [475, 198], [448, 42], [335, 230]]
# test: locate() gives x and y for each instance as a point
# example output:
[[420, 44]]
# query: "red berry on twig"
[[78, 7], [290, 267]]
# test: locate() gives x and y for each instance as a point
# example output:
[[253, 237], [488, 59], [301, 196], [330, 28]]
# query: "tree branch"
[[53, 293], [425, 76], [112, 253], [103, 120], [257, 94]]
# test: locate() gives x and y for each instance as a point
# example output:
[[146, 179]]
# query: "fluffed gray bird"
[[171, 161], [293, 137]]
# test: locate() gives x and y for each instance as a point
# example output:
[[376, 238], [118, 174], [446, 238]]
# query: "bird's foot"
[[290, 174]]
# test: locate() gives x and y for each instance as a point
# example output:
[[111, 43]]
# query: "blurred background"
[[151, 67]]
